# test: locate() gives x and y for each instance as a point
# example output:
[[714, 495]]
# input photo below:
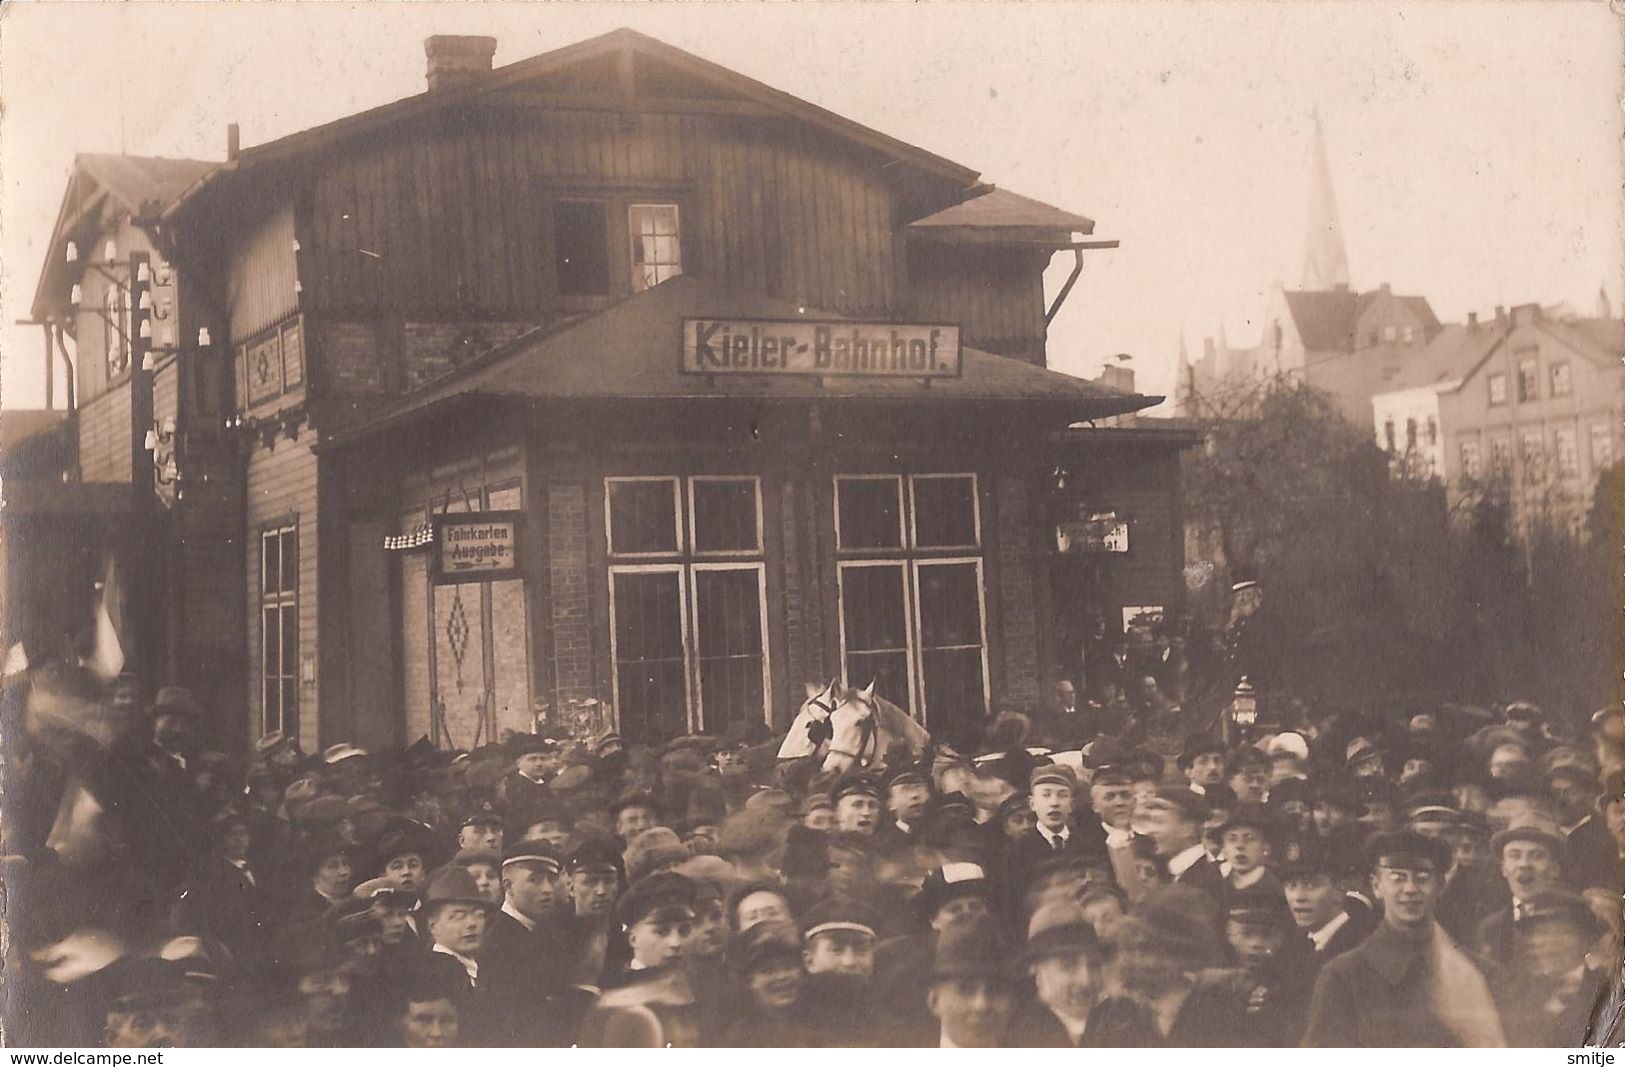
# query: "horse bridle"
[[868, 734]]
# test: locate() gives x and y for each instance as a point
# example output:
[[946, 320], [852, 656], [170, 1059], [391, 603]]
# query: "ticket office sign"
[[799, 347], [482, 546]]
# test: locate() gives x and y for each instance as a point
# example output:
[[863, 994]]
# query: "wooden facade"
[[348, 270]]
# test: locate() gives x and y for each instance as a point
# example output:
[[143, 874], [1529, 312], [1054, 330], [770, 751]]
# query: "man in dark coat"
[[1174, 819], [1053, 787], [1531, 853], [520, 963], [1408, 984], [1318, 904], [1065, 958], [1559, 997]]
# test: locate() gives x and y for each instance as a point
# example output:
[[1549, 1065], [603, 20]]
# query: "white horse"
[[851, 727]]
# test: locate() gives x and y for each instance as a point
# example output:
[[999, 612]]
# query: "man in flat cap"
[[949, 894], [1276, 966], [1174, 821], [857, 804], [1051, 793], [651, 1004], [838, 950], [520, 959], [1408, 984], [1318, 904], [908, 793]]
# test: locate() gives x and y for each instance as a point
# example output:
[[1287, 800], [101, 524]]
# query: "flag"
[[107, 657]]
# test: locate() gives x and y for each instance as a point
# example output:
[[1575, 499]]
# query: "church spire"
[[1325, 261]]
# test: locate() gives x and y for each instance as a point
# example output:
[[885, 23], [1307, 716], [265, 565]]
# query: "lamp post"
[[1243, 716]]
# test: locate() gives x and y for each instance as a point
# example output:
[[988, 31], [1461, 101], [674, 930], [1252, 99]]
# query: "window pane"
[[945, 512], [656, 249], [643, 516], [950, 610], [270, 562], [872, 608], [953, 690], [1602, 447], [725, 515], [271, 642], [290, 641], [290, 560], [869, 511], [888, 670], [271, 709], [649, 665], [581, 248], [728, 607], [290, 705]]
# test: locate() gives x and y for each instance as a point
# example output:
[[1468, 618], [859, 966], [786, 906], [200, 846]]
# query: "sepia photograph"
[[592, 525]]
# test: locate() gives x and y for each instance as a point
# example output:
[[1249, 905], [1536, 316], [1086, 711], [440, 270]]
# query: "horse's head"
[[854, 731]]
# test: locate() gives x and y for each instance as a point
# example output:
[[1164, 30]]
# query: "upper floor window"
[[1500, 453], [1389, 333], [1562, 380], [1498, 389], [581, 247], [1410, 435], [1408, 335], [1433, 431], [604, 246], [1528, 381], [116, 322], [1532, 445], [657, 252], [1390, 440]]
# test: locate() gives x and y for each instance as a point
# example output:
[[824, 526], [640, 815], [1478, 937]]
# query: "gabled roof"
[[629, 352], [144, 184], [1603, 340], [1328, 318], [329, 134], [999, 209], [1324, 319], [1448, 359], [140, 185]]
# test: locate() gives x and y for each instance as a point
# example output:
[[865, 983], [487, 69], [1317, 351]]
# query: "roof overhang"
[[629, 353]]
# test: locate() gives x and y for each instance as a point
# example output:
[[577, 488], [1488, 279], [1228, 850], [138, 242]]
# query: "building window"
[[1602, 447], [1528, 381], [1498, 389], [279, 629], [1389, 333], [910, 581], [581, 247], [1389, 436], [1409, 334], [657, 252], [1410, 435], [1562, 380], [116, 323], [688, 621], [1566, 444], [1433, 432], [1471, 461]]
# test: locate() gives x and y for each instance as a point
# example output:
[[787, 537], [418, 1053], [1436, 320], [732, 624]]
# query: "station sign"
[[810, 348], [481, 546]]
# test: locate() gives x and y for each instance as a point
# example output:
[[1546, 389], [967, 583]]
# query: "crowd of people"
[[1448, 879]]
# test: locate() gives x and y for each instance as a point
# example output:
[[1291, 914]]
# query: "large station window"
[[279, 629], [688, 617], [911, 592]]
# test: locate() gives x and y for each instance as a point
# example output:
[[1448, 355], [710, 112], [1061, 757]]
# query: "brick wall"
[[568, 593], [1017, 598], [352, 358]]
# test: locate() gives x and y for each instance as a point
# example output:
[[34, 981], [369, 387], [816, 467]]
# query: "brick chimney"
[[1501, 316], [1472, 320], [1113, 377], [456, 60]]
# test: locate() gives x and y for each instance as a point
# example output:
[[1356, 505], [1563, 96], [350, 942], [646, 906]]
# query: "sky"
[[1475, 147]]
